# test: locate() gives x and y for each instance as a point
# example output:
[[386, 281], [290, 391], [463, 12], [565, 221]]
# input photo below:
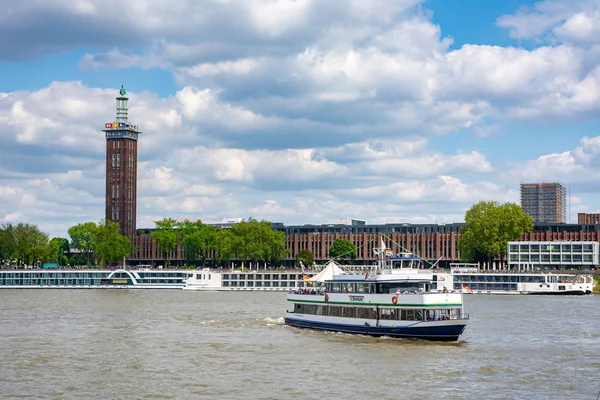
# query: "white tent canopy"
[[331, 268]]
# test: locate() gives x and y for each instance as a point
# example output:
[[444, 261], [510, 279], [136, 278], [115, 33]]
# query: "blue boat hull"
[[445, 333]]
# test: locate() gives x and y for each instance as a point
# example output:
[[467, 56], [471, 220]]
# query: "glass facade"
[[551, 255]]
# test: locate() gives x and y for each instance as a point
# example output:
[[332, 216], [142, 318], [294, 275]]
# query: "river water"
[[146, 344]]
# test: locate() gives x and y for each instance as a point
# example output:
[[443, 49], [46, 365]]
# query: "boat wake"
[[273, 321]]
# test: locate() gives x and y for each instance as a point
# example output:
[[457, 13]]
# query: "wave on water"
[[273, 321]]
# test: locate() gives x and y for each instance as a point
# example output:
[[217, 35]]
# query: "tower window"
[[118, 160], [114, 158]]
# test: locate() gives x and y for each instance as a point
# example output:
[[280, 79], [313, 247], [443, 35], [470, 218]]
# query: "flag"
[[389, 253], [382, 245], [376, 251], [466, 288]]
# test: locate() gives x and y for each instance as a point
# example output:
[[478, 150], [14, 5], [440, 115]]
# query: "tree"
[[277, 251], [257, 241], [167, 236], [225, 246], [7, 243], [306, 257], [57, 250], [199, 240], [30, 244], [82, 238], [109, 245], [489, 226], [342, 248]]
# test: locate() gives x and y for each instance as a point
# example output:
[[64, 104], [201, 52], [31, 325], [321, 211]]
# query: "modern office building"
[[121, 169], [545, 202], [527, 255]]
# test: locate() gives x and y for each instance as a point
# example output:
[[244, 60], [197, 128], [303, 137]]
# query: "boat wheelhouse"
[[392, 299]]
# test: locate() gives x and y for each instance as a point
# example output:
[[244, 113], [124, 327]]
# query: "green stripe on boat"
[[357, 303]]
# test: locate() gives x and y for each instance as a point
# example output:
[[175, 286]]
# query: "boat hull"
[[578, 292], [447, 332]]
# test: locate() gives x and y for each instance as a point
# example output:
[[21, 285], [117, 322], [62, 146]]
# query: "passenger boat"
[[92, 279], [393, 299], [246, 280], [475, 281]]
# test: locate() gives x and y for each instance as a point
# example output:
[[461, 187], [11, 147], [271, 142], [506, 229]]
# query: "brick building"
[[121, 169]]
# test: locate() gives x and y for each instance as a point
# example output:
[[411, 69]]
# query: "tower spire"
[[122, 110]]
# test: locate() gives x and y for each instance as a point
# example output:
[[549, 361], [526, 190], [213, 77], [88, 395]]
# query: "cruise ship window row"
[[499, 278], [265, 277], [487, 286], [259, 283], [382, 313]]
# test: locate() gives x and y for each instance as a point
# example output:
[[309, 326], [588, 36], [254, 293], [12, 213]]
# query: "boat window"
[[366, 313], [363, 287], [335, 311], [349, 312], [336, 287], [348, 287], [391, 288], [388, 313]]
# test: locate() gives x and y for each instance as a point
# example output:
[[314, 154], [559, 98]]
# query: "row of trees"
[[25, 244], [248, 241]]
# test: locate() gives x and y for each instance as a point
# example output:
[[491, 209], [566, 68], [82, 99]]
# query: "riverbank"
[[596, 289]]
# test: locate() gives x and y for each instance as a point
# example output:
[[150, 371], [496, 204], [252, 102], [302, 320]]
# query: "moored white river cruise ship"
[[470, 279], [92, 279], [395, 299], [245, 280]]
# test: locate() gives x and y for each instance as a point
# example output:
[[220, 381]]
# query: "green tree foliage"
[[30, 245], [168, 236], [57, 250], [199, 240], [257, 241], [342, 248], [109, 245], [489, 226], [82, 238], [226, 250], [7, 243], [306, 256]]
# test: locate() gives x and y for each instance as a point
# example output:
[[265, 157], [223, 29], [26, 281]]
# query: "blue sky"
[[299, 111]]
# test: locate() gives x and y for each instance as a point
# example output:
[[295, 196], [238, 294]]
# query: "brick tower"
[[121, 169]]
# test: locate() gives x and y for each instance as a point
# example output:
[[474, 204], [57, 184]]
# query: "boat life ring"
[[395, 299], [326, 297]]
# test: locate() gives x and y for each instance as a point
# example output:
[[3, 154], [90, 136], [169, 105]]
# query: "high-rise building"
[[545, 202], [121, 169]]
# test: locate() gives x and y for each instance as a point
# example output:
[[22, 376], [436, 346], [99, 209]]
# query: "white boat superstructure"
[[396, 299], [473, 280], [258, 280]]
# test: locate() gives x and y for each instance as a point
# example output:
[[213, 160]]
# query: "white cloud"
[[298, 110], [569, 21]]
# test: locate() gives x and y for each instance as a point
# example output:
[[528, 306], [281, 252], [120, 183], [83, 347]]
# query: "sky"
[[298, 111]]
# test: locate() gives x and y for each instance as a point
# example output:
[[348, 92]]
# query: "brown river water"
[[171, 344]]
